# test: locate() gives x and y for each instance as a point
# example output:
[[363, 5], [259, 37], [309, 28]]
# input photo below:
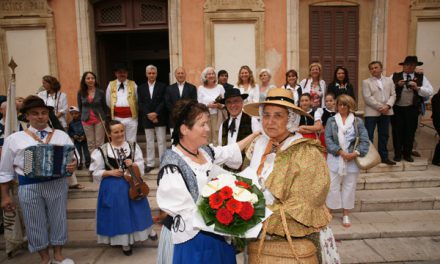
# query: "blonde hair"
[[315, 64], [346, 100], [251, 76]]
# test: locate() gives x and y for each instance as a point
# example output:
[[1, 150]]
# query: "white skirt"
[[125, 239]]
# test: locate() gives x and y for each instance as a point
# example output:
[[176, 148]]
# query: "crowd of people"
[[305, 135]]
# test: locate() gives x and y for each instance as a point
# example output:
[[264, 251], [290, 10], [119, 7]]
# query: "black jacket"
[[148, 104]]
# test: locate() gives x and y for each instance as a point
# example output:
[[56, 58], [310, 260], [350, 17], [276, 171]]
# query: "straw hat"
[[275, 96]]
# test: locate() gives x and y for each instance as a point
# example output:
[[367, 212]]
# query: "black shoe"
[[397, 158], [127, 252], [80, 167], [436, 163], [409, 159], [148, 169], [415, 154], [388, 162]]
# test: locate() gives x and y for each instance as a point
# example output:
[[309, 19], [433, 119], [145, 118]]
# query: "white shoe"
[[64, 261], [346, 221]]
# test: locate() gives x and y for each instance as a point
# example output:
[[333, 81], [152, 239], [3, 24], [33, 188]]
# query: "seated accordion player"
[[47, 160]]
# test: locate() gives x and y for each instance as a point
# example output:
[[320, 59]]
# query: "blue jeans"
[[383, 123]]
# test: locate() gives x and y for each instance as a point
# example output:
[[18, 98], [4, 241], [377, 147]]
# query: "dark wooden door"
[[334, 40]]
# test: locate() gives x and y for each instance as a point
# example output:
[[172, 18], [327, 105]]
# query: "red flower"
[[225, 192], [242, 184], [234, 206], [215, 201], [224, 216], [247, 211]]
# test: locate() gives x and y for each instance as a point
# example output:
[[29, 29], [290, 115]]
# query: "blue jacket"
[[332, 142], [75, 128]]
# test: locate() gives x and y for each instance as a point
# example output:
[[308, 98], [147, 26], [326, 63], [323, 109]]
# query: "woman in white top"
[[292, 85], [265, 77], [53, 97], [314, 85], [185, 169], [209, 94], [246, 84]]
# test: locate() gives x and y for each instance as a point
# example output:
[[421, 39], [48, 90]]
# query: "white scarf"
[[342, 128]]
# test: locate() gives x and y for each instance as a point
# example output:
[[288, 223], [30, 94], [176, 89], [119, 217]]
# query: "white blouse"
[[59, 104], [208, 95], [253, 92], [173, 196], [251, 171], [306, 85], [97, 167]]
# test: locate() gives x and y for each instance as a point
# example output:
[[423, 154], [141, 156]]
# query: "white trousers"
[[161, 143], [131, 126], [342, 190]]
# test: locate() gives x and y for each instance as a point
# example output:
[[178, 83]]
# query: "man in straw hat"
[[411, 87], [291, 170], [43, 201]]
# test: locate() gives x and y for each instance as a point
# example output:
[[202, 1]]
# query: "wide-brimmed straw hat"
[[275, 96], [33, 101], [411, 59]]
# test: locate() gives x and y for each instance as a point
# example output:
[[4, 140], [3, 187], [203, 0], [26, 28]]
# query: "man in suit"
[[222, 78], [121, 98], [379, 96], [177, 91], [153, 113], [239, 124], [411, 87]]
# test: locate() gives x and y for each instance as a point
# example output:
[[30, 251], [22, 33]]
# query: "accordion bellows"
[[47, 160]]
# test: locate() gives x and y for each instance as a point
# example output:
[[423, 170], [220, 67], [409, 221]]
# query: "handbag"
[[281, 251], [371, 159]]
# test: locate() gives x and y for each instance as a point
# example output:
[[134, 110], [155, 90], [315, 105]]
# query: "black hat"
[[120, 66], [411, 59], [234, 92], [33, 101]]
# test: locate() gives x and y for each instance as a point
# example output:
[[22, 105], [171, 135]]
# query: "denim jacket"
[[332, 141]]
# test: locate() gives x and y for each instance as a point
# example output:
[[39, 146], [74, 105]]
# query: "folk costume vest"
[[131, 98], [244, 130], [418, 78]]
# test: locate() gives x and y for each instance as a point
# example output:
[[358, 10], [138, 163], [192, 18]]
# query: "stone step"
[[85, 208], [387, 224], [419, 164], [402, 250], [397, 199]]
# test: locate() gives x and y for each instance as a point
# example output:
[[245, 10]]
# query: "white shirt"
[[151, 88], [319, 112], [97, 167], [59, 104], [306, 85], [180, 86], [173, 196], [12, 161], [208, 95], [294, 92], [233, 138], [121, 95], [253, 94]]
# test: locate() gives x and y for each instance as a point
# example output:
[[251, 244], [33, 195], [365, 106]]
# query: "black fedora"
[[33, 101], [234, 92], [120, 66], [411, 59]]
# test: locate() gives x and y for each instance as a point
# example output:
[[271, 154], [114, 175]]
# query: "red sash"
[[122, 112]]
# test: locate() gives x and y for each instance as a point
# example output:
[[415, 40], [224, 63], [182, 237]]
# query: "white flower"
[[254, 198], [243, 195]]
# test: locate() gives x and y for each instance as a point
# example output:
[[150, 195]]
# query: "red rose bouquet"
[[232, 204]]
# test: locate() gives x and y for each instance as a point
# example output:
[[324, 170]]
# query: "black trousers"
[[404, 124]]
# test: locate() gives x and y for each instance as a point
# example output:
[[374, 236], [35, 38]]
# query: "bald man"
[[179, 90]]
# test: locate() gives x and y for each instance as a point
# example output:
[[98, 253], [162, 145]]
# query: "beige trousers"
[[95, 136]]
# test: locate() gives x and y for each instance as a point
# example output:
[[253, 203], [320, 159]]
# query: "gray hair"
[[266, 71], [151, 67], [3, 105], [205, 72]]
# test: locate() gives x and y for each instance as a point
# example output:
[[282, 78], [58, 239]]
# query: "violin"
[[138, 188]]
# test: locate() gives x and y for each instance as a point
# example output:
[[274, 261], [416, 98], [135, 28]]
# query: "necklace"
[[192, 153]]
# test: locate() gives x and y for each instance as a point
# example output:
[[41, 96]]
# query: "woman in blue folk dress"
[[119, 220]]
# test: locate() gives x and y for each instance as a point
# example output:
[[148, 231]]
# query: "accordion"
[[47, 160]]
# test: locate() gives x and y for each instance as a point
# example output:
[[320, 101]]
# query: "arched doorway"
[[134, 32]]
